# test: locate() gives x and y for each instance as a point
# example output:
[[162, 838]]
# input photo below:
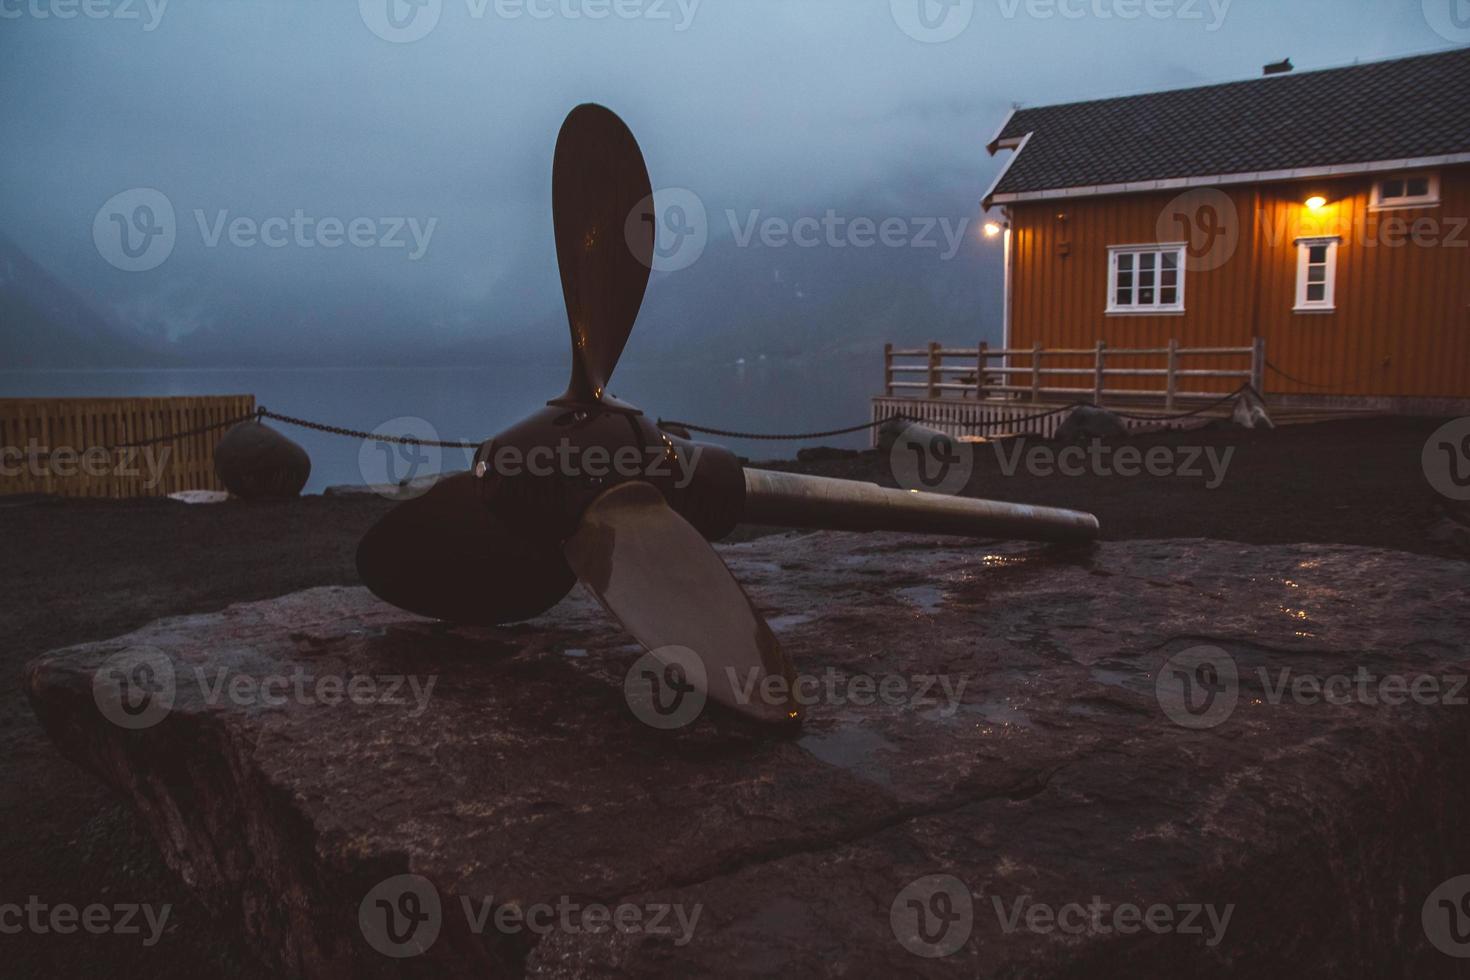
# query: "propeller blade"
[[445, 556], [604, 248], [660, 578]]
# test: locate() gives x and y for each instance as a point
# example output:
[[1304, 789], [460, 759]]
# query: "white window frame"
[[1328, 302], [1428, 200], [1180, 250]]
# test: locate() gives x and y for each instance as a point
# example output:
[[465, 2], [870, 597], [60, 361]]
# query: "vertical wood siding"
[[1402, 323]]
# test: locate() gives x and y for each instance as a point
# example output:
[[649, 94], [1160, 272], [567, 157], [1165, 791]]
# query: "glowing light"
[[992, 229], [1316, 202]]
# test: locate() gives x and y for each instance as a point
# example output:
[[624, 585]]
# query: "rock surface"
[[255, 462], [1056, 776]]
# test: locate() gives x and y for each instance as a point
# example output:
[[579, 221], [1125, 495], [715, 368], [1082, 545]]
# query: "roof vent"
[[1280, 67]]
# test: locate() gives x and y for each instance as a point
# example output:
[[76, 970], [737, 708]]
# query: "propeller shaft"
[[820, 503]]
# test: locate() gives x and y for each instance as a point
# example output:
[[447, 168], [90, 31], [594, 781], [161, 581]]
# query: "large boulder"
[[255, 462], [1086, 423], [1020, 764]]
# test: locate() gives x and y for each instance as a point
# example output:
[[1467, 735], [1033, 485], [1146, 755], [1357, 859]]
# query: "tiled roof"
[[1389, 110]]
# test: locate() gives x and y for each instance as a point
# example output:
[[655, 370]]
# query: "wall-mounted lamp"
[[993, 228], [1316, 202]]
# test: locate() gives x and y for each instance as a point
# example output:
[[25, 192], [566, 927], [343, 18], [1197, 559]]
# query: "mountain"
[[43, 324], [795, 304], [802, 302], [741, 299]]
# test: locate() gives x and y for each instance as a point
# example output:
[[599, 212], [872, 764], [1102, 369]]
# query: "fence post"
[[980, 362], [888, 370], [1173, 379], [933, 369], [1097, 377], [1258, 365], [1036, 372]]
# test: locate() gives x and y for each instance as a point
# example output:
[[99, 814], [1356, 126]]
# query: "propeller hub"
[[541, 474]]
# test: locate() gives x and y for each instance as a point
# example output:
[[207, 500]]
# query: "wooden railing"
[[66, 446], [1033, 374]]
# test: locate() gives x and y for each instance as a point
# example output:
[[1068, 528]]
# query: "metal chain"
[[1198, 411], [337, 430], [1293, 378], [796, 437], [183, 435], [801, 436]]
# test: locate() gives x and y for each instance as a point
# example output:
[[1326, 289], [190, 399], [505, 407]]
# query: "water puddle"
[[851, 748], [1000, 713], [790, 620], [927, 597]]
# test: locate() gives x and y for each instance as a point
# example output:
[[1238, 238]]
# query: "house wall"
[[1402, 323]]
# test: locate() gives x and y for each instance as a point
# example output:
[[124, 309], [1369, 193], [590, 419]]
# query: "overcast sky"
[[446, 111]]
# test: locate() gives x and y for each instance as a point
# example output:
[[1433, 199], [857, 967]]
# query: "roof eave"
[[1215, 180], [1018, 145], [996, 144]]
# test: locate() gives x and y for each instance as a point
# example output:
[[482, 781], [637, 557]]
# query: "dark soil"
[[77, 571]]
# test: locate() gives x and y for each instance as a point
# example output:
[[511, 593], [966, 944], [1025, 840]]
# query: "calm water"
[[475, 403]]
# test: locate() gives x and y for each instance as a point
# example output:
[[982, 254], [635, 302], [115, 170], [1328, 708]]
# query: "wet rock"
[[894, 430], [1087, 422], [1021, 760], [1250, 412], [255, 462], [403, 490], [820, 454]]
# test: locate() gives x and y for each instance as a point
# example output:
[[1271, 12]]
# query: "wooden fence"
[[66, 446], [1159, 374]]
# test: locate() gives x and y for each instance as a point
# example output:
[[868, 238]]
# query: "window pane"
[[1317, 273], [1169, 277], [1418, 187], [1392, 188], [1318, 254], [1146, 260], [1125, 262], [1316, 293], [1171, 260], [1146, 278], [1125, 297], [1146, 296], [1168, 296]]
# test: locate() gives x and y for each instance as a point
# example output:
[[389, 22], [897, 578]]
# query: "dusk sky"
[[258, 109]]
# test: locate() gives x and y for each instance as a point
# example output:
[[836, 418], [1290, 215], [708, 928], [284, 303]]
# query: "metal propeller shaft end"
[[821, 503]]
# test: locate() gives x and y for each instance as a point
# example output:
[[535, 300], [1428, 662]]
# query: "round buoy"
[[255, 462]]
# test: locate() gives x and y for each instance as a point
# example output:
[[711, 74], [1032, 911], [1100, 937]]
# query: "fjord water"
[[473, 403]]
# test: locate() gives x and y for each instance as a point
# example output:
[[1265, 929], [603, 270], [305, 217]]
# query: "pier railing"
[[70, 446], [1168, 375]]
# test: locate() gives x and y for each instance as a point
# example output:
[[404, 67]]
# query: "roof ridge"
[[1257, 80]]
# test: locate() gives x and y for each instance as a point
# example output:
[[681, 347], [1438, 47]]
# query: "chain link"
[[995, 424], [183, 435], [337, 430]]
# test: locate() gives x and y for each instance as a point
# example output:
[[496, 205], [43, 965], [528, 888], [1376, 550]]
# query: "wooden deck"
[[998, 418], [983, 392]]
